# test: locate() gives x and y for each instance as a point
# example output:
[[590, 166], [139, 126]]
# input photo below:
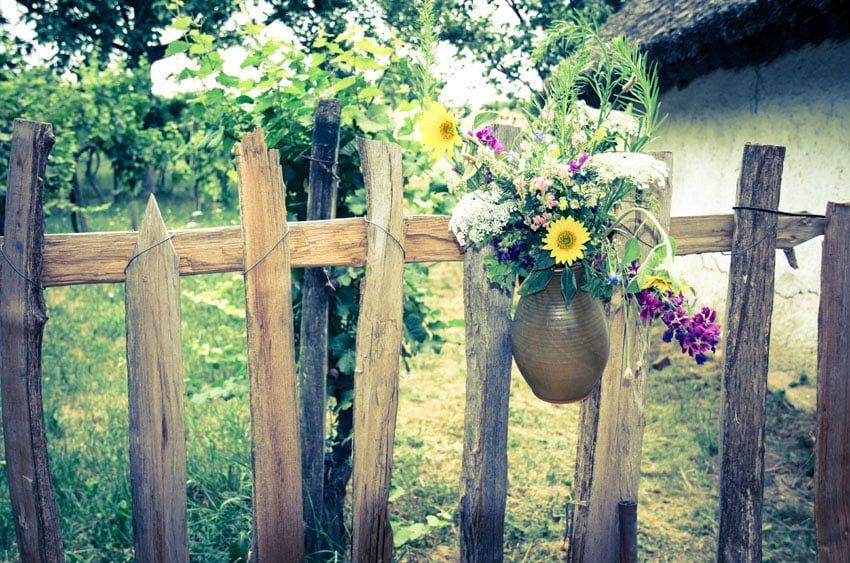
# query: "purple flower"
[[575, 166], [486, 136], [538, 136], [651, 306]]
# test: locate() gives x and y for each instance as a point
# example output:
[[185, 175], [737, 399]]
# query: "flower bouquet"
[[567, 193]]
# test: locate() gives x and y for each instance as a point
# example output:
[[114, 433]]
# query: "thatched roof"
[[690, 38]]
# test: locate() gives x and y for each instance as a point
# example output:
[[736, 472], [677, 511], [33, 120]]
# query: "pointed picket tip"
[[152, 232]]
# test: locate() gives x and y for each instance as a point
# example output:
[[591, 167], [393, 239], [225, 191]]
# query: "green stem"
[[656, 225]]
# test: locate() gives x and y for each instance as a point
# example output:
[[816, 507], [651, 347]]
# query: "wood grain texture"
[[275, 435], [101, 257], [155, 395], [379, 333], [832, 488], [22, 318], [313, 354], [612, 423], [484, 469], [746, 352]]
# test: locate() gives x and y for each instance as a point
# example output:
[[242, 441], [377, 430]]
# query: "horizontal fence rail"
[[71, 259]]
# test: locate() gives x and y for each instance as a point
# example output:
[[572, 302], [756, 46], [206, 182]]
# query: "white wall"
[[800, 101]]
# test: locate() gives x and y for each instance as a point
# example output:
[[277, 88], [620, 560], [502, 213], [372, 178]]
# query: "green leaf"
[[536, 281], [176, 47], [484, 118], [181, 23], [544, 261], [568, 286], [370, 92], [251, 61], [404, 534], [631, 251], [368, 45], [343, 84], [244, 99]]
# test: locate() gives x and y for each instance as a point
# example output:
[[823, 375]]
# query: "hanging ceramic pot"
[[560, 351]]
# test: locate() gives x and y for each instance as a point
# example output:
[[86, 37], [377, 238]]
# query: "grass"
[[85, 390]]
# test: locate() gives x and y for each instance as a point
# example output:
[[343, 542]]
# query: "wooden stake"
[[379, 332], [746, 352], [832, 487], [22, 318], [484, 472], [315, 304], [155, 395], [278, 515], [611, 426]]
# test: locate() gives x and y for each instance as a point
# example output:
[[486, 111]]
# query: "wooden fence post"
[[611, 426], [155, 395], [746, 351], [275, 437], [484, 470], [832, 488], [22, 318], [315, 303], [379, 333]]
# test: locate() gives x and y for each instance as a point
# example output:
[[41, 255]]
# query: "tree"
[[100, 29], [466, 24]]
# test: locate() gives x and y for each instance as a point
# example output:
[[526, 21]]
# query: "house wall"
[[800, 101]]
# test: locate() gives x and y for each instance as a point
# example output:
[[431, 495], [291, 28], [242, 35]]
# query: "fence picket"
[[155, 395], [313, 357], [832, 488], [744, 389], [275, 436], [379, 332], [22, 319], [611, 429], [484, 469]]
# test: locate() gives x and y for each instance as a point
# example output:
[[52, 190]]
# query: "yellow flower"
[[664, 283], [658, 282], [439, 130], [566, 240]]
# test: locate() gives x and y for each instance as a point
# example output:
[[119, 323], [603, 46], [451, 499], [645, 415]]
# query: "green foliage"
[[100, 30]]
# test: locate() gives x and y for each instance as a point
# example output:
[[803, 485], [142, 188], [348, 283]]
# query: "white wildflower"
[[642, 170], [616, 122], [479, 216]]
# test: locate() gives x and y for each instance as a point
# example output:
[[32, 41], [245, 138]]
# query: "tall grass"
[[85, 397]]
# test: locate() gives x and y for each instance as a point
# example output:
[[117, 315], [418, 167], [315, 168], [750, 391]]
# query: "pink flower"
[[547, 114], [562, 170], [540, 221], [540, 183]]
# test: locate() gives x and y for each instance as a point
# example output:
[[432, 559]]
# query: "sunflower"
[[439, 130], [566, 239]]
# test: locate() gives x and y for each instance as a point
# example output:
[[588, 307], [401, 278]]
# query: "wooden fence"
[[265, 248]]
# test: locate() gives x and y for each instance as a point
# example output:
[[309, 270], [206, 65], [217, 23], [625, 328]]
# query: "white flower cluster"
[[642, 170], [618, 123], [480, 215]]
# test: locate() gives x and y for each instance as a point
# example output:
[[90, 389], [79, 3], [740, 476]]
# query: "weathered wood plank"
[[315, 305], [275, 437], [746, 351], [612, 423], [379, 332], [484, 469], [100, 257], [155, 395], [832, 488], [22, 318]]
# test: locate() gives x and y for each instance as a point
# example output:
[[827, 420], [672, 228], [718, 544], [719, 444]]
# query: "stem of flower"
[[665, 238]]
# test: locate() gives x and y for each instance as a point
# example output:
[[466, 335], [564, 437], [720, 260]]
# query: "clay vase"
[[560, 351]]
